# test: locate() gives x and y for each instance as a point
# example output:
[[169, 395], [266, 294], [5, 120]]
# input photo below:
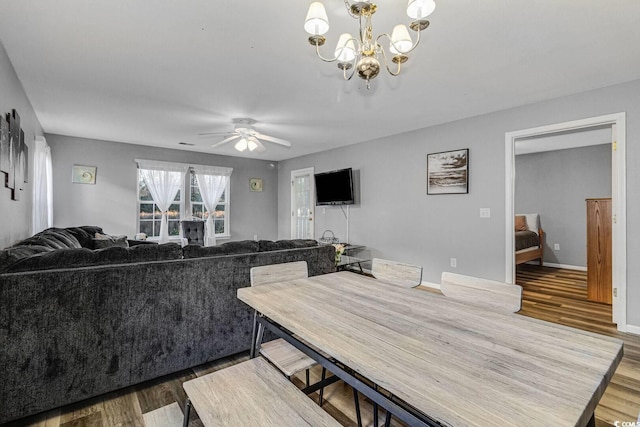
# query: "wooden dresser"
[[599, 250]]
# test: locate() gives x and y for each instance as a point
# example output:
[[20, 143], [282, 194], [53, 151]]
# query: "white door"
[[302, 204]]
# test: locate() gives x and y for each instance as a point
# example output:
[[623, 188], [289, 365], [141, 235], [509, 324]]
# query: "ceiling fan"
[[247, 136]]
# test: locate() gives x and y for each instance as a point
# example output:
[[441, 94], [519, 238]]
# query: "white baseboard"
[[430, 285], [567, 266], [633, 329]]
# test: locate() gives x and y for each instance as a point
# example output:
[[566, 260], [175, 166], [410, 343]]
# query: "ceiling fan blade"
[[274, 140], [214, 133], [260, 147], [224, 141]]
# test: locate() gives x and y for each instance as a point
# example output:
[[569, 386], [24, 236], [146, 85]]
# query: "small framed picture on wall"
[[83, 174]]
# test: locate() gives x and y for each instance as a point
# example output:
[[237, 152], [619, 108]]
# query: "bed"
[[529, 238]]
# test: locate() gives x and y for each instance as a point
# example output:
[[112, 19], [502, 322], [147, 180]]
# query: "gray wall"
[[555, 184], [112, 202], [16, 215], [399, 221]]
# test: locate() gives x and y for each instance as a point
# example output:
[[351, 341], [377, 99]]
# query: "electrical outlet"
[[255, 237], [556, 246], [485, 212], [454, 262], [324, 211]]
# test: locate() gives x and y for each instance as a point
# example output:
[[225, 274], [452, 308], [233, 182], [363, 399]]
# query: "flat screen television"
[[335, 187]]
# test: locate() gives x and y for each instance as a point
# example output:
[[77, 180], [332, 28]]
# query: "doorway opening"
[[616, 124]]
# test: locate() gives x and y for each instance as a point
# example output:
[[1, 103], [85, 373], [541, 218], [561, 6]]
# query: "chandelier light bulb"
[[241, 145], [317, 22], [401, 40], [420, 9], [346, 48]]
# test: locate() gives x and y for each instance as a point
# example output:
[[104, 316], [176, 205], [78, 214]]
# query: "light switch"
[[485, 212]]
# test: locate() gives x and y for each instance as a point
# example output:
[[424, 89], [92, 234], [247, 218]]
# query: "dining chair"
[[193, 232], [496, 296], [396, 273], [284, 356]]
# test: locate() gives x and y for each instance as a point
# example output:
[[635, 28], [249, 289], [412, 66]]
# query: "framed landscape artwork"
[[448, 172]]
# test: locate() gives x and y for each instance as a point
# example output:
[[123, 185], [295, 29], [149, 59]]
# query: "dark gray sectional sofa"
[[77, 322]]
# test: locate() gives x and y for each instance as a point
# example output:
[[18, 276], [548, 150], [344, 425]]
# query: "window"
[[149, 214], [187, 204], [198, 209]]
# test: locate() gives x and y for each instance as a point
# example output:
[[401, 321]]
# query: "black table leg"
[[254, 334], [187, 412], [357, 403]]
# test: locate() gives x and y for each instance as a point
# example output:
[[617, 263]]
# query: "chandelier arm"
[[322, 57], [344, 73], [416, 43], [386, 63]]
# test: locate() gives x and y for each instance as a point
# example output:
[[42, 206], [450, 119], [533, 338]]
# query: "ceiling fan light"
[[317, 22], [252, 143], [241, 145], [346, 48], [400, 40], [420, 9]]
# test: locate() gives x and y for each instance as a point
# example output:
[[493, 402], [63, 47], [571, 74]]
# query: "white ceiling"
[[158, 73]]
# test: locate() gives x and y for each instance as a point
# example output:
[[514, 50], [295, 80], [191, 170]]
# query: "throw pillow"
[[102, 241], [521, 223]]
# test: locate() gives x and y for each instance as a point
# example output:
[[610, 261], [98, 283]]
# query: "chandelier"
[[364, 54]]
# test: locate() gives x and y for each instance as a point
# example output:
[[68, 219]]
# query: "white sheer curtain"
[[164, 180], [212, 181], [42, 186]]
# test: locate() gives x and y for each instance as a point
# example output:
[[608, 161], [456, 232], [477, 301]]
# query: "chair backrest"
[[272, 273], [396, 273], [496, 296], [193, 231]]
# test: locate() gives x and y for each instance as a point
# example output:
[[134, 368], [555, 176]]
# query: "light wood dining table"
[[457, 364]]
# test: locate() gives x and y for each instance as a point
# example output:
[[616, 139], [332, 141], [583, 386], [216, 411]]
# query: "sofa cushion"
[[60, 258], [140, 253], [229, 248], [102, 241], [10, 256], [268, 245], [161, 252], [133, 242], [240, 247], [54, 238], [83, 257], [85, 234], [197, 251]]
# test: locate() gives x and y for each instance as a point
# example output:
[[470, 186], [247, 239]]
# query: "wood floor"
[[555, 295], [560, 296]]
